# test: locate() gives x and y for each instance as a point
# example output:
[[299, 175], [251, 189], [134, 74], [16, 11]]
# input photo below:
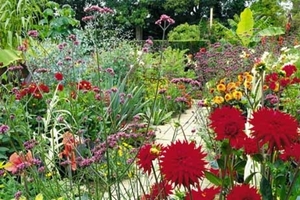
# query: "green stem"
[[293, 182]]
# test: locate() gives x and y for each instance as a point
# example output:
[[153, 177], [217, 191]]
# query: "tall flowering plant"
[[255, 143]]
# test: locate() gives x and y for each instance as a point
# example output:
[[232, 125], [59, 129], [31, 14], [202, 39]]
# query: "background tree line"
[[140, 15]]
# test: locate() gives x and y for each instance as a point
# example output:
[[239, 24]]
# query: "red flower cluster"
[[277, 81], [228, 123], [275, 128], [182, 163], [33, 89], [84, 85], [243, 192]]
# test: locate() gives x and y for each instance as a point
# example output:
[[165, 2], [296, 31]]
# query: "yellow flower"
[[249, 77], [237, 95], [231, 86], [240, 77], [154, 150], [49, 174], [218, 100], [120, 151], [248, 85], [222, 81], [246, 74], [238, 83], [228, 97], [221, 87]]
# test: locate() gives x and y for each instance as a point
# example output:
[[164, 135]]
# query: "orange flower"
[[70, 144], [249, 77], [238, 83], [231, 86], [248, 85], [265, 87], [246, 74], [17, 162], [240, 77]]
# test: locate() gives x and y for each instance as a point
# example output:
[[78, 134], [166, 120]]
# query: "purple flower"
[[33, 33], [104, 10], [18, 195], [149, 41], [165, 18], [110, 71], [4, 129], [88, 18]]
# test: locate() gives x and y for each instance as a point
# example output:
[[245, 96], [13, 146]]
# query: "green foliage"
[[271, 9], [185, 32], [130, 13], [120, 58], [180, 6], [16, 18], [159, 116], [57, 20]]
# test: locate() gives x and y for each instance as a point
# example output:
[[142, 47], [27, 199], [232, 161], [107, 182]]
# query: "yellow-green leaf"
[[245, 26], [39, 197], [8, 56]]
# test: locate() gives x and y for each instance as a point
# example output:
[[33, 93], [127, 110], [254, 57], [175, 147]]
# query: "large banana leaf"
[[245, 27], [8, 56]]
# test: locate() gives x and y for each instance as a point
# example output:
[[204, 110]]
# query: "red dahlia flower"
[[250, 146], [292, 152], [274, 127], [228, 123], [146, 155], [160, 191], [243, 192], [182, 163], [206, 194]]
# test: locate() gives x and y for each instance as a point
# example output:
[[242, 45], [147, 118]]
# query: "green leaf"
[[245, 26], [265, 189], [48, 12], [258, 157], [226, 148], [249, 178], [213, 178], [268, 32], [240, 166], [8, 56], [2, 149]]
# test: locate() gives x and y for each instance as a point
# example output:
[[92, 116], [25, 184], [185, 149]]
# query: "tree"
[[142, 14], [131, 13], [271, 9]]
